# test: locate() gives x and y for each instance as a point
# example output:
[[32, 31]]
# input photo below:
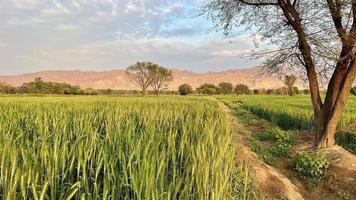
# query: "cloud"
[[66, 27], [25, 4], [103, 34], [229, 53], [25, 21]]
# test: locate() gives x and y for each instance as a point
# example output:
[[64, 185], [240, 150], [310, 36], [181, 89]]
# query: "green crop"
[[115, 148], [290, 112]]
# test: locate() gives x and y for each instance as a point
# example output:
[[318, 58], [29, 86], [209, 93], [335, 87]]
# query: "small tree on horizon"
[[185, 89], [241, 89], [160, 77], [289, 81], [140, 74], [225, 87]]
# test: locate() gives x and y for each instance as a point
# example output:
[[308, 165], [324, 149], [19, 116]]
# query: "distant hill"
[[117, 79]]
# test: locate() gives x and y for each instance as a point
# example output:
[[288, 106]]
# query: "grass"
[[289, 112], [117, 148], [295, 113]]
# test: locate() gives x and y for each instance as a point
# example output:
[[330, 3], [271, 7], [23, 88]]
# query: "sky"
[[98, 35]]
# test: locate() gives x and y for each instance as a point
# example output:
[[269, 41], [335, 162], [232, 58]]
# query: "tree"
[[318, 36], [289, 81], [271, 91], [241, 89], [140, 74], [185, 89], [226, 88], [160, 78], [208, 89]]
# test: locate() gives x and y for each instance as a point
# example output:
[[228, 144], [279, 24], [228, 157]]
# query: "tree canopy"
[[185, 89], [290, 81], [225, 87]]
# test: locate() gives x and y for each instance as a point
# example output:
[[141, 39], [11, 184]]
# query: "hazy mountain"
[[117, 79]]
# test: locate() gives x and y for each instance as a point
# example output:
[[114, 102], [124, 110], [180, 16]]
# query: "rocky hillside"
[[117, 79]]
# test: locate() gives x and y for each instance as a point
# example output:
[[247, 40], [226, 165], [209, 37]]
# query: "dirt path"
[[271, 183], [280, 181]]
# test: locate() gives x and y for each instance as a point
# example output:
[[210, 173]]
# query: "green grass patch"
[[311, 166]]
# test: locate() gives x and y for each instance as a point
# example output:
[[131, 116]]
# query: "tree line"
[[160, 77]]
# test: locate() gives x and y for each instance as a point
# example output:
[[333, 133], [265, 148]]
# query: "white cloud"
[[229, 53], [105, 33], [25, 4], [25, 21], [61, 7], [66, 27], [2, 45]]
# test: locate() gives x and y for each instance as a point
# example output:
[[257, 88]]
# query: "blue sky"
[[111, 34]]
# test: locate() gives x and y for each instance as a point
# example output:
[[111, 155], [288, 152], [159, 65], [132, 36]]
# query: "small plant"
[[312, 166], [280, 148], [270, 134], [283, 141], [262, 153]]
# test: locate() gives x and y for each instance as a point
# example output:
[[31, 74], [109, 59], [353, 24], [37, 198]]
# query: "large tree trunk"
[[325, 130], [144, 92], [328, 117]]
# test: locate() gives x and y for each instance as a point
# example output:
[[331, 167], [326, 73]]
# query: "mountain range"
[[117, 79]]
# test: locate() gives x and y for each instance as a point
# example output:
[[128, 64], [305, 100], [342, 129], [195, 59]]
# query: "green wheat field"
[[101, 147], [115, 148]]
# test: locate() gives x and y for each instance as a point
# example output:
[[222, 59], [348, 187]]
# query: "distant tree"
[[7, 89], [241, 89], [38, 86], [208, 89], [226, 88], [90, 91], [185, 89], [289, 81], [306, 91], [160, 77], [140, 74], [271, 91], [256, 91], [282, 91]]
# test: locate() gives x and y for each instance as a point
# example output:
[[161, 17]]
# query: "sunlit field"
[[289, 112], [115, 148]]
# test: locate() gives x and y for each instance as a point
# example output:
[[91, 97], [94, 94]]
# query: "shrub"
[[185, 89], [269, 134], [271, 91], [283, 139], [311, 165], [261, 152], [281, 148], [306, 91], [241, 89], [296, 90], [225, 88], [208, 89]]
